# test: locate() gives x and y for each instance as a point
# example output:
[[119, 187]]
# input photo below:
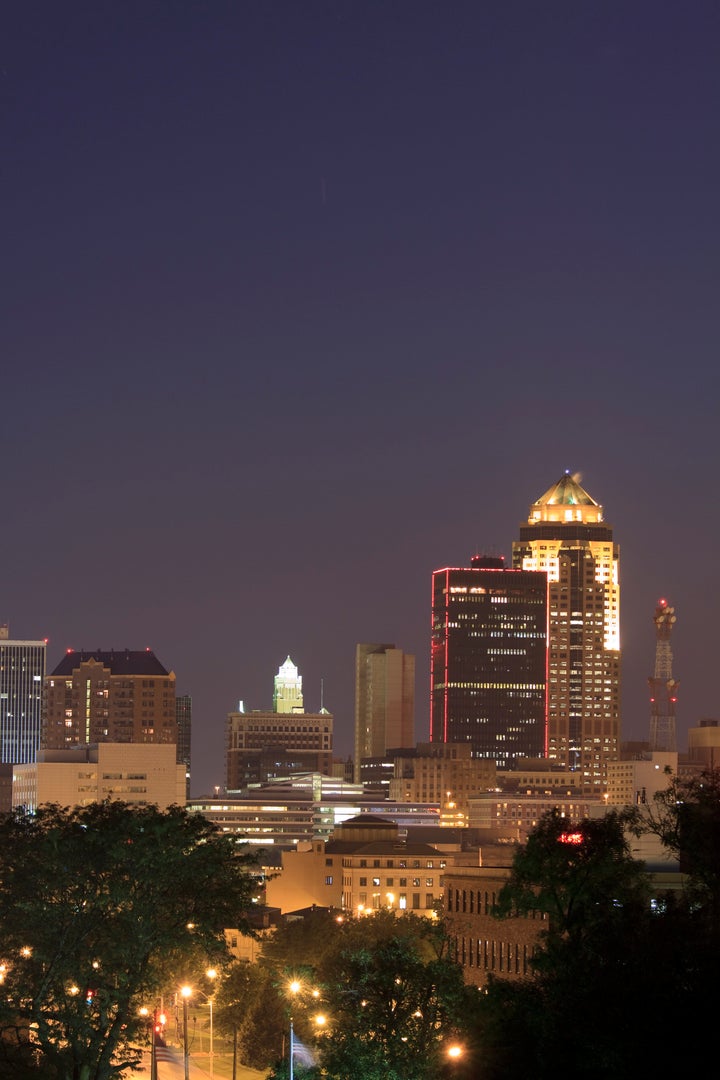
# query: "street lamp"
[[294, 990], [150, 1025], [211, 974], [185, 993]]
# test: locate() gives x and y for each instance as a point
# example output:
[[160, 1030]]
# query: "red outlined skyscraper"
[[488, 660]]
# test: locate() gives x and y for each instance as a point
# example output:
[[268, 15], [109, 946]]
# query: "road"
[[199, 1068]]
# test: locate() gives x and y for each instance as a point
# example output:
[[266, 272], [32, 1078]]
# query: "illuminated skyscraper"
[[488, 658], [567, 538], [22, 671], [384, 701]]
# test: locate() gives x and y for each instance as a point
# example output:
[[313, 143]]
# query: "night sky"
[[302, 300]]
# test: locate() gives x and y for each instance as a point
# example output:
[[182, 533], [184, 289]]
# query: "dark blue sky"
[[302, 300]]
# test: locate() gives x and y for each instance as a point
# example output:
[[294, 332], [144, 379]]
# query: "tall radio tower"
[[663, 688]]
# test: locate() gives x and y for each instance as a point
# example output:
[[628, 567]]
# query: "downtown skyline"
[[301, 302]]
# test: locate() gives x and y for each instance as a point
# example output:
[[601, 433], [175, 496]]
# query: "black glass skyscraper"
[[488, 660]]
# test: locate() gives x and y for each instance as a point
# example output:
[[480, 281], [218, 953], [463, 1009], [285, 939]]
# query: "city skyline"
[[303, 301]]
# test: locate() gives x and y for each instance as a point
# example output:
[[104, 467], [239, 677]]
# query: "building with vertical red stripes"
[[488, 667]]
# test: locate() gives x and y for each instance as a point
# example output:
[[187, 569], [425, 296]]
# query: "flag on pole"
[[166, 1053], [303, 1053], [300, 1051]]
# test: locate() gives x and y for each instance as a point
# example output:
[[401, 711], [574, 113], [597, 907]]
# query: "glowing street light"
[[211, 974], [454, 1051], [185, 993]]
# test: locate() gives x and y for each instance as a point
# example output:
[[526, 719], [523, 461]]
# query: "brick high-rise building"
[[488, 658], [118, 697], [567, 538]]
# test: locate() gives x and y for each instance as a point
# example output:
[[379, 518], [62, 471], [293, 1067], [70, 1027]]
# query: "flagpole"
[[292, 1073]]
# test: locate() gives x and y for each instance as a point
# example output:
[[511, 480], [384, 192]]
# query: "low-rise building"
[[286, 811], [139, 773], [636, 780], [511, 816], [704, 744], [364, 867], [481, 943], [445, 773]]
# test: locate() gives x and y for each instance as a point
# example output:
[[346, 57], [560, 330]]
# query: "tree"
[[686, 817], [609, 972], [250, 1008], [394, 1010], [99, 907], [579, 875], [391, 996]]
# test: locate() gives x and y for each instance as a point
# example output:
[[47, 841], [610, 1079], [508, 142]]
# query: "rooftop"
[[125, 662]]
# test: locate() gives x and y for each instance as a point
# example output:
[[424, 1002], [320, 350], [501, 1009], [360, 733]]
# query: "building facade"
[[142, 774], [482, 944], [22, 675], [704, 744], [286, 812], [510, 817], [365, 866], [567, 538], [117, 697], [384, 701], [488, 660], [442, 773], [262, 746], [183, 716]]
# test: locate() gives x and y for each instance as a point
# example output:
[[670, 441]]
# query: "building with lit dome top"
[[567, 538]]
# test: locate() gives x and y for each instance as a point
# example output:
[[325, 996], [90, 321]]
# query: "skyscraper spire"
[[663, 688]]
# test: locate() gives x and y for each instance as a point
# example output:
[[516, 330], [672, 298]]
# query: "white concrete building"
[[141, 773]]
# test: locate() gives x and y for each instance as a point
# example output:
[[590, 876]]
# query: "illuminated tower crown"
[[566, 501], [288, 696]]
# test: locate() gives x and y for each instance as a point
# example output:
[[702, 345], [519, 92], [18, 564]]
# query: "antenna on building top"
[[322, 693]]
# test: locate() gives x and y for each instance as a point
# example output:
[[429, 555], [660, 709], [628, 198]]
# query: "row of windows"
[[477, 902], [506, 956], [402, 864], [376, 901], [390, 882]]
